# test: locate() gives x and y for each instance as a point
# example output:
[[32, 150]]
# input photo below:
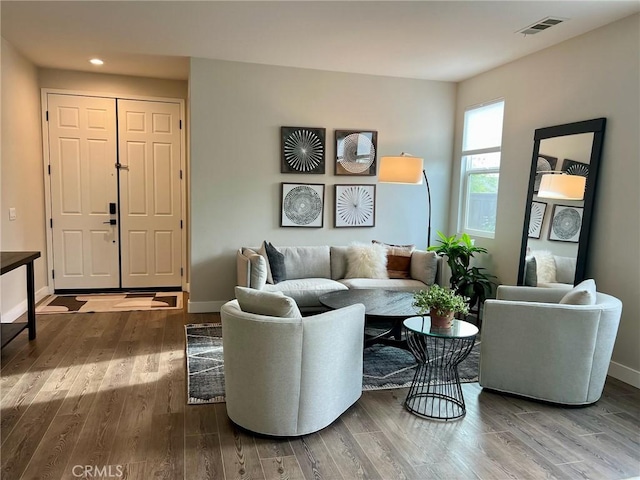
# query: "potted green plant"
[[469, 281], [441, 303]]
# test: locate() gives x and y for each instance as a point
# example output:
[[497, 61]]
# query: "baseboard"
[[624, 374], [15, 313], [204, 307]]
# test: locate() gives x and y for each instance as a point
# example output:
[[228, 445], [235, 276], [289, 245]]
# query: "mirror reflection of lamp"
[[560, 186]]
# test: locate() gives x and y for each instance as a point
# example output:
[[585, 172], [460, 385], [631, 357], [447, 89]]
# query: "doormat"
[[384, 367], [110, 302]]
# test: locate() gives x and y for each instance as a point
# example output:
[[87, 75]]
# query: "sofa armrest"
[[424, 266], [243, 269]]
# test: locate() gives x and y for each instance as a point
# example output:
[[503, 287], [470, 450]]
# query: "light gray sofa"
[[313, 271], [535, 347], [291, 376]]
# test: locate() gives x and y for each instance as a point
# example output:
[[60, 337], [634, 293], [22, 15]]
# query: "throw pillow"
[[263, 251], [530, 272], [258, 271], [582, 294], [398, 259], [276, 263], [272, 304], [366, 261], [545, 266]]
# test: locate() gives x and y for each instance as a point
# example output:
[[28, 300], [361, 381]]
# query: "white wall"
[[22, 177], [237, 110], [594, 75]]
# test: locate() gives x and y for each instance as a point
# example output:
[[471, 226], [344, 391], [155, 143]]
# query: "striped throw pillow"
[[398, 259]]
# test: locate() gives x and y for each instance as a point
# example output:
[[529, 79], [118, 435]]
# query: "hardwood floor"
[[104, 396]]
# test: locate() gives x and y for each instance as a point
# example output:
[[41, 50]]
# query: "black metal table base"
[[436, 391]]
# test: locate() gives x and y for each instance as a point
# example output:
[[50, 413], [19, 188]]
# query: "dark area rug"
[[384, 366]]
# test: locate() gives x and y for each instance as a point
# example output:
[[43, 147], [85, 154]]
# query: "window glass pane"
[[483, 127], [482, 199], [483, 160]]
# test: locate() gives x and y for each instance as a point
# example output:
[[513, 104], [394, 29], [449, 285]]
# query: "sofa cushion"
[[307, 262], [258, 271], [398, 259], [263, 251], [582, 294], [366, 261], [530, 272], [398, 284], [260, 302], [276, 263], [338, 262], [565, 269], [306, 291], [424, 266]]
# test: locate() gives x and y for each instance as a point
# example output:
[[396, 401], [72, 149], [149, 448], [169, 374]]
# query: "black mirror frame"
[[597, 127]]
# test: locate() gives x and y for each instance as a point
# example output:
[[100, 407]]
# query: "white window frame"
[[466, 171]]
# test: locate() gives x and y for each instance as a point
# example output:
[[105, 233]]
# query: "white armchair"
[[535, 347], [291, 376]]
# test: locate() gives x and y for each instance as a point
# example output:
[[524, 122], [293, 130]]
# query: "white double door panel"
[[150, 198], [88, 136], [82, 156]]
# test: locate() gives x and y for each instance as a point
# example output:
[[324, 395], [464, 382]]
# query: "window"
[[481, 147]]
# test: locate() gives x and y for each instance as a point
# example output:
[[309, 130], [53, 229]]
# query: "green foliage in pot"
[[472, 282], [441, 300]]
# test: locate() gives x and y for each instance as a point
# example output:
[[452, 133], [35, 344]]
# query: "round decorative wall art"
[[545, 163], [303, 150], [355, 206], [575, 168], [566, 223], [302, 205], [356, 152]]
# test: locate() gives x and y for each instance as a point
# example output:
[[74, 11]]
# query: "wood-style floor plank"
[[109, 390]]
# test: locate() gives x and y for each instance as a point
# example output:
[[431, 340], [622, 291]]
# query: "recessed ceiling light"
[[96, 61]]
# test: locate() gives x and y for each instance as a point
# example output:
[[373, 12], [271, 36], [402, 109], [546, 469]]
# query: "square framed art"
[[355, 206], [566, 223], [302, 150], [302, 205], [356, 152]]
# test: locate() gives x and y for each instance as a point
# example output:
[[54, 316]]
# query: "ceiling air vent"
[[541, 25]]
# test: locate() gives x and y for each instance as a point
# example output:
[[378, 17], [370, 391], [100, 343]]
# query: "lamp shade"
[[562, 187], [401, 169]]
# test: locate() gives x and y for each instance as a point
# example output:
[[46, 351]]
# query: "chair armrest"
[[424, 266], [530, 294]]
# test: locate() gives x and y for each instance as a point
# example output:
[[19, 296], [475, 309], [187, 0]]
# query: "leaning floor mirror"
[[560, 201]]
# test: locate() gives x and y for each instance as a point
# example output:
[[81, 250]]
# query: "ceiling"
[[446, 40]]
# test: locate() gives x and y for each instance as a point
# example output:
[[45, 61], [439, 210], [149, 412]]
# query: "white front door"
[[82, 156], [150, 208]]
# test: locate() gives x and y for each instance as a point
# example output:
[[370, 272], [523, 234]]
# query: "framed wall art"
[[536, 219], [575, 168], [355, 206], [356, 152], [566, 222], [303, 150], [545, 164], [302, 205]]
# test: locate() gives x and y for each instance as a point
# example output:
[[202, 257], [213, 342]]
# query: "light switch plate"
[[12, 213]]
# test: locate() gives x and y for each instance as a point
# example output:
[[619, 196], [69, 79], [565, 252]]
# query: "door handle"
[[110, 222], [121, 166]]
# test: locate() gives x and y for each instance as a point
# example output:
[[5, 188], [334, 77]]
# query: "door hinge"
[[51, 222], [180, 124], [181, 224], [47, 115], [180, 174], [181, 272], [53, 274], [49, 168]]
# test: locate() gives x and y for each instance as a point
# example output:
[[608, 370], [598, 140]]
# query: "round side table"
[[435, 391]]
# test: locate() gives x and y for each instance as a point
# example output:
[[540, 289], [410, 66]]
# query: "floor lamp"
[[409, 170]]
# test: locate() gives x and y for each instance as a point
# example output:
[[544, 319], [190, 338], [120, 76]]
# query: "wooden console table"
[[11, 261]]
